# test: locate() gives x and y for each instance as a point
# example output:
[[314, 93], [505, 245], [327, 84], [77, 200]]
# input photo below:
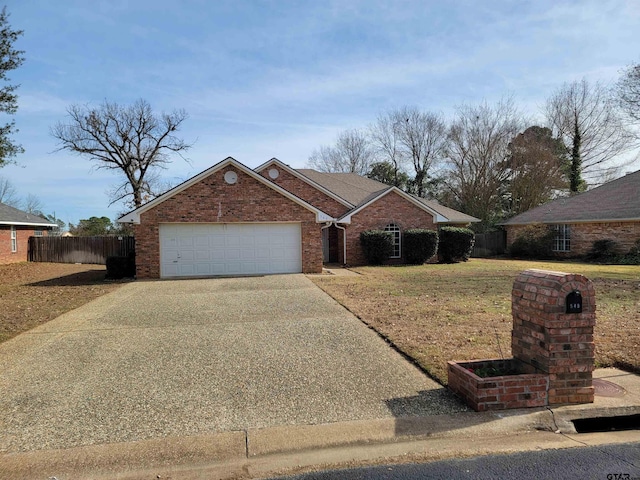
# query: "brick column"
[[548, 339]]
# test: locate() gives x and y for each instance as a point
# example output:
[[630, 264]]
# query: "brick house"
[[610, 211], [232, 220], [16, 227]]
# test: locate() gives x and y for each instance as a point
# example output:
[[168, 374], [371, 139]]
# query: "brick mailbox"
[[552, 345]]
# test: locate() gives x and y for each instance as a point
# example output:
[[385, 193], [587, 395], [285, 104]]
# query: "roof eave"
[[133, 217], [438, 218], [29, 224], [305, 179], [565, 221]]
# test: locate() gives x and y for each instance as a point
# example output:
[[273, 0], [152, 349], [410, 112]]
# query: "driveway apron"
[[188, 357]]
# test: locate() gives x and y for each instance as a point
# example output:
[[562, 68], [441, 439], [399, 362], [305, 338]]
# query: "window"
[[562, 241], [37, 232], [395, 230], [14, 239]]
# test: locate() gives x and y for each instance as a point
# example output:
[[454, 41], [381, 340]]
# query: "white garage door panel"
[[229, 249]]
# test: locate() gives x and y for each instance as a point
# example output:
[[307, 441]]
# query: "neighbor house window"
[[37, 232], [14, 239], [563, 238], [395, 230]]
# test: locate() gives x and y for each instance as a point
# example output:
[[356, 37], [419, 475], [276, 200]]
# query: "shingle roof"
[[454, 216], [352, 187], [615, 200], [13, 216], [359, 190]]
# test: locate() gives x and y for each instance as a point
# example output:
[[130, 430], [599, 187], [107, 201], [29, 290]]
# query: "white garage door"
[[229, 249]]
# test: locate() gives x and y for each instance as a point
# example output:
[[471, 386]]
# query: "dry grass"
[[34, 293], [435, 313]]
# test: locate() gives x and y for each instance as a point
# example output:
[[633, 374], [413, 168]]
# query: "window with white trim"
[[395, 230], [14, 239], [37, 232], [562, 242]]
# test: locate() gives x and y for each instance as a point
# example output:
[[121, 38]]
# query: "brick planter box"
[[515, 389]]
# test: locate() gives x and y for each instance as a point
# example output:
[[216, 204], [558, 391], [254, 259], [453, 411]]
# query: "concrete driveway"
[[190, 357]]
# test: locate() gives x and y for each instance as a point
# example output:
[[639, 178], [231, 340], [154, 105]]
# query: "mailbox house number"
[[574, 302]]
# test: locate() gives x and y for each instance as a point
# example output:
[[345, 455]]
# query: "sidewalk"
[[259, 453]]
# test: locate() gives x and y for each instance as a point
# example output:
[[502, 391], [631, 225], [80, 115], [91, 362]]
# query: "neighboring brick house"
[[231, 220], [610, 211], [16, 227]]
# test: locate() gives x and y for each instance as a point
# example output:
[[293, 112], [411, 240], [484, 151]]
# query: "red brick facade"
[[392, 208], [306, 192], [212, 200], [499, 392], [23, 233], [583, 235]]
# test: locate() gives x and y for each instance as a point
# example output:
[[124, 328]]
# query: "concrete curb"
[[242, 454]]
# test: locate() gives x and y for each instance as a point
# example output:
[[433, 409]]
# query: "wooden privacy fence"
[[490, 244], [80, 249]]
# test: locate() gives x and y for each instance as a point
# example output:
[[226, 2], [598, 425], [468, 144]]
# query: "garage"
[[209, 249]]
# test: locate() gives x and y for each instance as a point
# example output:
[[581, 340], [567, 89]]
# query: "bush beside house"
[[420, 245], [455, 244], [377, 246]]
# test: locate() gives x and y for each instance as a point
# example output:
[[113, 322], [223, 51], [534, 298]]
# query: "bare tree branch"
[[350, 154], [586, 118], [130, 139]]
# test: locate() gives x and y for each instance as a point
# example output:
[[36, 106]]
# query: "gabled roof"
[[298, 174], [362, 191], [346, 218], [352, 187], [614, 201], [13, 216], [452, 216], [134, 216]]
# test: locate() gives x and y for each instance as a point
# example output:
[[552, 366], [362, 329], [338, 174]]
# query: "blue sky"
[[263, 79]]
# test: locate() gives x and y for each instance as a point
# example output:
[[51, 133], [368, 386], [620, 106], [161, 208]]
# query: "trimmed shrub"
[[455, 244], [420, 245], [604, 250], [534, 241], [377, 245], [121, 267], [632, 257]]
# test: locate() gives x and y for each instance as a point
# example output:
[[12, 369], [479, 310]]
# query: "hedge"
[[455, 244], [377, 245], [420, 245]]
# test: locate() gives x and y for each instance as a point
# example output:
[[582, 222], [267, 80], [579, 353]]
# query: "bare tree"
[[628, 91], [537, 169], [32, 204], [132, 140], [385, 137], [586, 118], [351, 153], [10, 59], [8, 193], [479, 141]]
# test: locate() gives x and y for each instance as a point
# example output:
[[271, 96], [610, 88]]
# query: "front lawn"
[[435, 313]]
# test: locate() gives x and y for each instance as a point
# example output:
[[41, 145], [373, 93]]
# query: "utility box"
[[554, 314]]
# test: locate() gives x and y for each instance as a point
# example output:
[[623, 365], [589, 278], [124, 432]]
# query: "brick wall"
[[584, 234], [22, 234], [392, 208], [306, 192], [212, 200], [551, 340], [499, 392]]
